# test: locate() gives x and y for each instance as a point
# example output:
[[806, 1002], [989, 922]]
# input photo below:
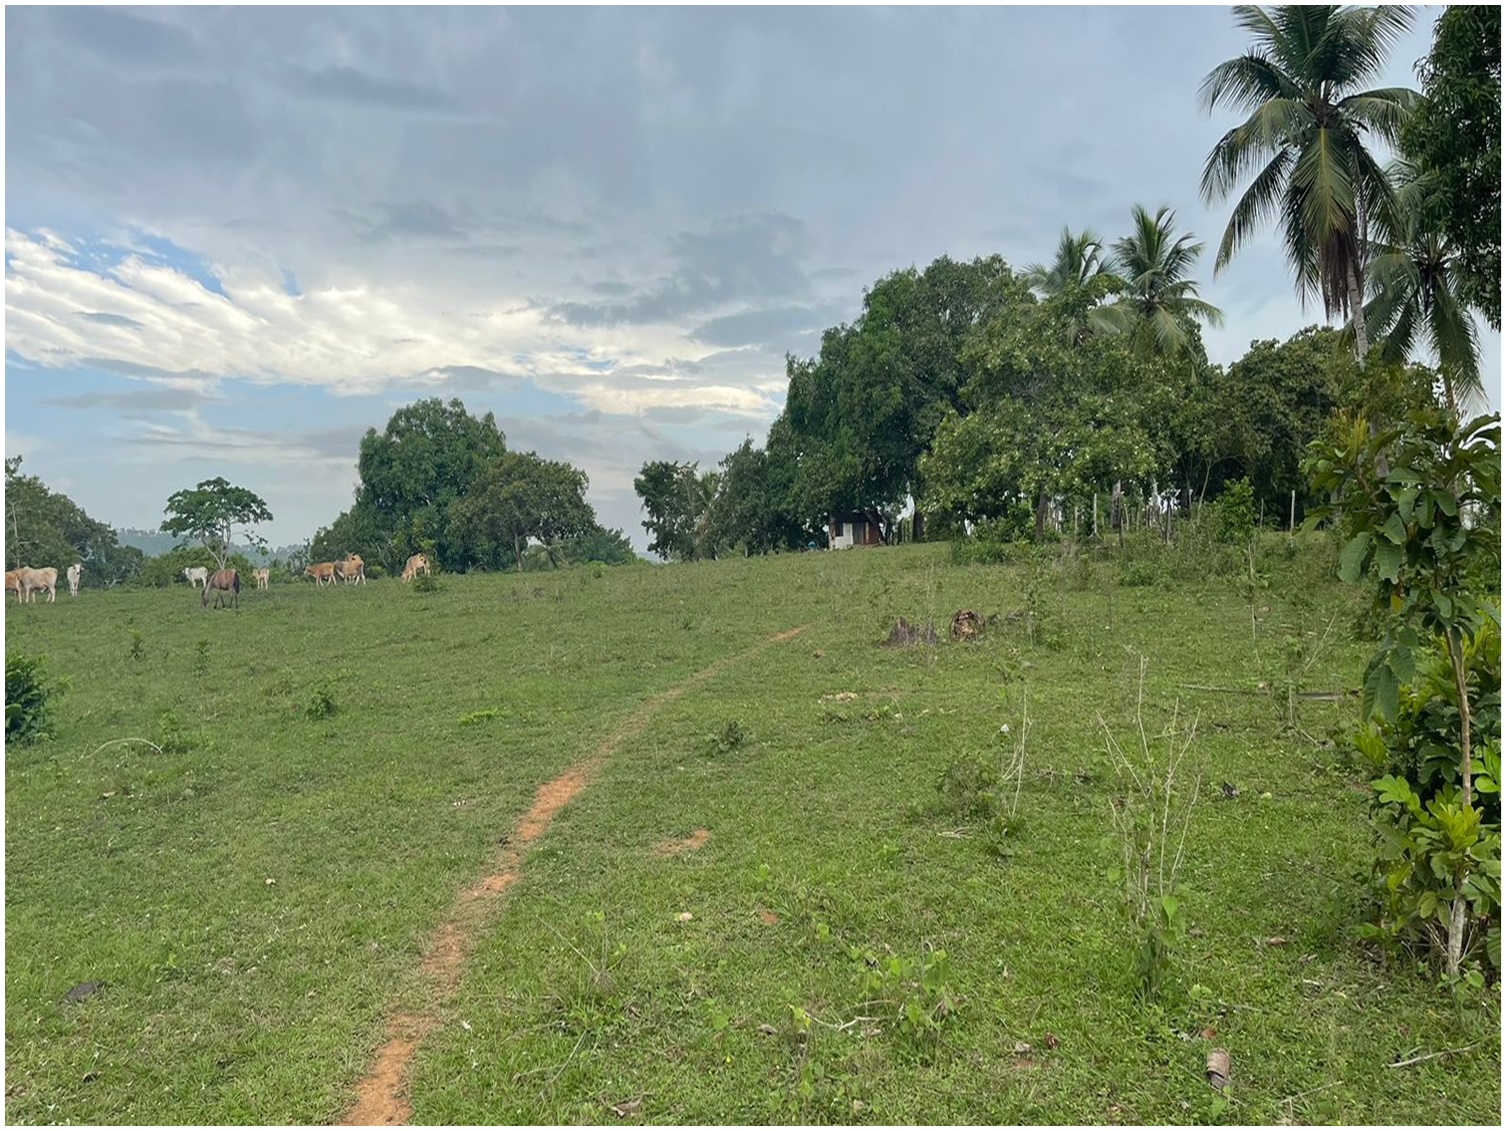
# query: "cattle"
[[351, 569], [34, 579], [13, 581], [417, 564], [322, 572], [262, 576], [75, 571], [196, 575], [222, 581]]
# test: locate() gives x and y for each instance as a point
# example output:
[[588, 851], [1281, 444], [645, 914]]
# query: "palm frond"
[[1261, 200]]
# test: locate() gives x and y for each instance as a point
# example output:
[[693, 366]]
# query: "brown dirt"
[[768, 917], [381, 1096], [679, 847]]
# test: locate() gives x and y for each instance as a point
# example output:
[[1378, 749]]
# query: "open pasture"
[[704, 932]]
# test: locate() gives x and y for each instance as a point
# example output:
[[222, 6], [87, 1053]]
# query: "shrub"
[[28, 698]]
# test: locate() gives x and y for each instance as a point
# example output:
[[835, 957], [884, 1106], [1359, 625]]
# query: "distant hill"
[[154, 542]]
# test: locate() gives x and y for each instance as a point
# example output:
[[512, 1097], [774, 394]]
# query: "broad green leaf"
[[1395, 530], [1352, 560], [1447, 503], [1379, 693], [1388, 559], [1406, 499], [1402, 664]]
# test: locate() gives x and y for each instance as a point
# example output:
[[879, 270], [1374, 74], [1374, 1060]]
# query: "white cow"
[[75, 571], [45, 579], [197, 576]]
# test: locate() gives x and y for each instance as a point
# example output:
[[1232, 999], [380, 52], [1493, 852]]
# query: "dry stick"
[[118, 741], [1430, 1056]]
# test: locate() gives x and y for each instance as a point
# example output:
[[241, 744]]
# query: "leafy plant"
[[29, 696], [1420, 503], [137, 650], [916, 989], [425, 583], [321, 704], [728, 737]]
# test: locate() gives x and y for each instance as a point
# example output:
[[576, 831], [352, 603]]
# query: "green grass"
[[231, 999]]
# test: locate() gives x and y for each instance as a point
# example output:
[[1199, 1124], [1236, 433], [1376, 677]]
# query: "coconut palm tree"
[[1306, 141], [1158, 302], [1078, 259], [1415, 280]]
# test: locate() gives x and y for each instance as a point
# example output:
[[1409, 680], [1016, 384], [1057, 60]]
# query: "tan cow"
[[34, 579], [263, 577], [322, 572], [351, 569], [13, 581], [417, 564]]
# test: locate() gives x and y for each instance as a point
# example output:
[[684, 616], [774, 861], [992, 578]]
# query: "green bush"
[[28, 697]]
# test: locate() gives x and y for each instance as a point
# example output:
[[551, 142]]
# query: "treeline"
[[975, 393], [44, 528]]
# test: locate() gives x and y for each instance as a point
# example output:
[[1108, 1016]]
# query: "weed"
[[426, 583], [728, 737], [173, 740], [916, 990], [478, 716], [29, 695], [201, 658], [137, 650], [321, 704], [1150, 813]]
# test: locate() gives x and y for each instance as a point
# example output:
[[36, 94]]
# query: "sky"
[[236, 238]]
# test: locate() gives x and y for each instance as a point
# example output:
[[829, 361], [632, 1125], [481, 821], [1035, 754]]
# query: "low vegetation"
[[247, 833]]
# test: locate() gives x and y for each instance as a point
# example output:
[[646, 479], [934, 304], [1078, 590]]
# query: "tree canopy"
[[515, 498], [209, 513], [43, 527]]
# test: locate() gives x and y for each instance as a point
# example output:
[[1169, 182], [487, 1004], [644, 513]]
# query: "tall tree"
[[1307, 141], [1455, 136], [1416, 280], [43, 527], [519, 497], [1159, 302], [676, 497], [209, 513], [428, 456]]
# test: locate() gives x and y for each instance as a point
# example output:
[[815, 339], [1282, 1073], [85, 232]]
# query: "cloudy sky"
[[236, 238]]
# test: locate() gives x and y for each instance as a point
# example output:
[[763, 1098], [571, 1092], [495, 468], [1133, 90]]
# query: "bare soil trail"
[[381, 1096]]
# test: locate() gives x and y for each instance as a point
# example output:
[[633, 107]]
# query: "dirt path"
[[381, 1096]]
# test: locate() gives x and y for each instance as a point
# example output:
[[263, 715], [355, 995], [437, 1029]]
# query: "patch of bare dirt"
[[381, 1096], [680, 847]]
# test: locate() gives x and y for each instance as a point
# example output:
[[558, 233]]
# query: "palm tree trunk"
[[1357, 315]]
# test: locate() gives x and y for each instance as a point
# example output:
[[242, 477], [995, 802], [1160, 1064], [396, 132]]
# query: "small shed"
[[846, 529]]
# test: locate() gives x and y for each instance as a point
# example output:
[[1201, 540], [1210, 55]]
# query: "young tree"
[[677, 498], [1159, 302], [209, 513]]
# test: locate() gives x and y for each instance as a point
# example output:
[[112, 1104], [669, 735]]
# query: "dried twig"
[[1430, 1056], [118, 741]]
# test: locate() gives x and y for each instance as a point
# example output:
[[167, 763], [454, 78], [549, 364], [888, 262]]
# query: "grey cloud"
[[419, 219], [124, 36], [774, 328], [349, 85], [742, 258], [109, 319], [132, 369], [136, 400]]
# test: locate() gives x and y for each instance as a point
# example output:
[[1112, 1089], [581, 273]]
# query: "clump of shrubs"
[[28, 696]]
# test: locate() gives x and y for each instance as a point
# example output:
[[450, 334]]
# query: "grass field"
[[259, 888]]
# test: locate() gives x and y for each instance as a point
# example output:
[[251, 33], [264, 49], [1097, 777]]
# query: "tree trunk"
[[1040, 517], [1461, 685], [517, 550], [1357, 314]]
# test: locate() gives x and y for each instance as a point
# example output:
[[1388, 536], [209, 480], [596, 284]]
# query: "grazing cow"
[[417, 564], [262, 576], [75, 571], [197, 576], [13, 581], [322, 572], [34, 579], [222, 581], [351, 569]]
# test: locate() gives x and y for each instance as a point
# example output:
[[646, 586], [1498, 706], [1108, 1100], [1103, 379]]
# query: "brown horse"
[[222, 581]]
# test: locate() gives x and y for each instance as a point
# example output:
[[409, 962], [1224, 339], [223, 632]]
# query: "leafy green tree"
[[677, 497], [359, 530], [519, 497], [610, 547], [428, 456], [1417, 281], [1159, 303], [44, 527], [751, 510], [1307, 141], [209, 513], [1455, 137], [862, 412]]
